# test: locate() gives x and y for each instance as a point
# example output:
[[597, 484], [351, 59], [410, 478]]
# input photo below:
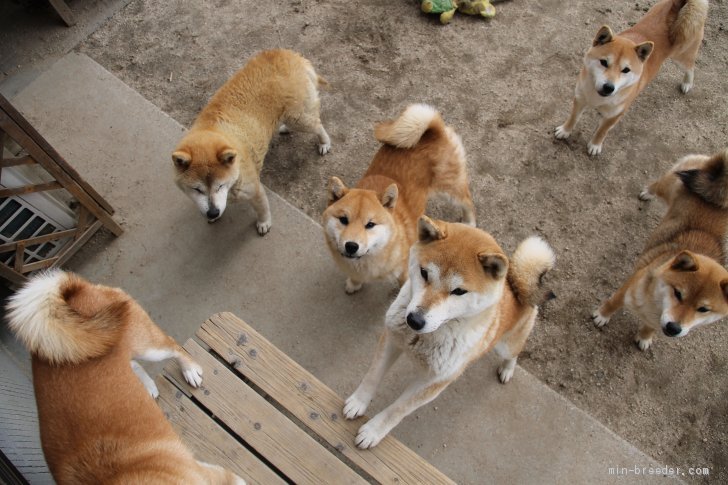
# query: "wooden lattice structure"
[[27, 250]]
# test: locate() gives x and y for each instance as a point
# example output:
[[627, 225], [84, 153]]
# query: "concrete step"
[[285, 285]]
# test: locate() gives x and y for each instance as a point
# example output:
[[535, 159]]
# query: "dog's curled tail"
[[406, 131], [43, 316], [710, 182], [532, 259], [690, 19]]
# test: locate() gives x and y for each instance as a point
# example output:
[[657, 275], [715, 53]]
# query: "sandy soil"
[[504, 85]]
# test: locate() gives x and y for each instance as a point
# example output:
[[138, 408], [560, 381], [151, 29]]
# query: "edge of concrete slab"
[[298, 307]]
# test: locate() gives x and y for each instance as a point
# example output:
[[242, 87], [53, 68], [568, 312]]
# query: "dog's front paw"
[[263, 227], [324, 148], [594, 149], [152, 388], [646, 194], [193, 374], [352, 286], [686, 87], [561, 133], [354, 406], [643, 343], [505, 372], [370, 434], [599, 319]]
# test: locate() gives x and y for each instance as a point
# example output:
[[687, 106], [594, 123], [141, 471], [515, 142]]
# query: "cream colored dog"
[[463, 298], [224, 150]]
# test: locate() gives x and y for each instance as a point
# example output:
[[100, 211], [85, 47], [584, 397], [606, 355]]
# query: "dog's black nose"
[[213, 213], [607, 89], [351, 248], [416, 321], [672, 329]]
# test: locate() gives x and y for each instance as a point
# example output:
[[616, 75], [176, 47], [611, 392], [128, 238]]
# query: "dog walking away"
[[98, 423], [370, 228], [618, 67], [223, 152], [463, 298], [680, 281]]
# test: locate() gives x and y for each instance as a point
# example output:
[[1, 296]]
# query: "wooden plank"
[[29, 189], [64, 12], [207, 440], [30, 132], [46, 263], [297, 455], [38, 239], [311, 401], [10, 275], [14, 162]]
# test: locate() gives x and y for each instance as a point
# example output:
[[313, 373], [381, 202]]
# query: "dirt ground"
[[504, 85]]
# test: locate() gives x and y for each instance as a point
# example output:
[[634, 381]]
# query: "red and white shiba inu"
[[618, 67], [370, 228], [679, 281], [98, 424], [463, 298], [223, 151]]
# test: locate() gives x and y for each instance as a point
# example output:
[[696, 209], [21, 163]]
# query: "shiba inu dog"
[[679, 281], [222, 153], [370, 228], [618, 67], [463, 298], [98, 424]]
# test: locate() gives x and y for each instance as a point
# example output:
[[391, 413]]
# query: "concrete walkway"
[[182, 270]]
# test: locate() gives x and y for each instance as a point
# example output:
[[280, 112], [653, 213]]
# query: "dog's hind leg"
[[424, 389], [310, 122], [511, 344], [386, 354]]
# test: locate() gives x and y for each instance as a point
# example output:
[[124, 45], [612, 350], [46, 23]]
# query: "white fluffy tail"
[[406, 131], [532, 259], [54, 331]]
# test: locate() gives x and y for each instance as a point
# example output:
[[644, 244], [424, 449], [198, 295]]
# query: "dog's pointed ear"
[[494, 264], [724, 288], [604, 36], [337, 189], [227, 156], [389, 198], [181, 159], [428, 230], [685, 261], [644, 50]]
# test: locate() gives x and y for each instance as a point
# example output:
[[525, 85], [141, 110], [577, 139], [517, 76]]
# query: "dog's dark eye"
[[458, 291], [678, 294], [604, 62], [423, 272], [703, 309], [344, 220], [219, 187], [626, 70], [198, 190], [369, 225]]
